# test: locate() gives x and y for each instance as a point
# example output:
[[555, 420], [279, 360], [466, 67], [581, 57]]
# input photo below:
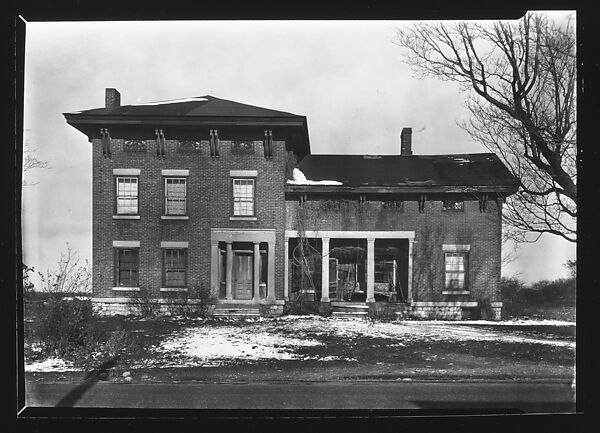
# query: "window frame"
[[233, 196], [465, 271], [127, 197], [382, 264], [184, 268], [166, 197], [118, 266]]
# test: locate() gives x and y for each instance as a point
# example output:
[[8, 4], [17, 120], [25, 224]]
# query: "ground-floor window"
[[126, 267], [174, 267], [456, 270]]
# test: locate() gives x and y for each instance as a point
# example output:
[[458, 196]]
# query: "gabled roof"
[[200, 106], [408, 173]]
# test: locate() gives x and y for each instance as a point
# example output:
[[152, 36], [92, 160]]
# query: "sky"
[[347, 77]]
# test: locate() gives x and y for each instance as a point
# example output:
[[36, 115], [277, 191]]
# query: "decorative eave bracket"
[[422, 199], [214, 143], [160, 143], [268, 144], [105, 138]]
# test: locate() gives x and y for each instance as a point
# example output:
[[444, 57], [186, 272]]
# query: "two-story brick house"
[[203, 194]]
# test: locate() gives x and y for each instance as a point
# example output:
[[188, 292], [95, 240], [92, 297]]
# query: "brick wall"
[[433, 228], [208, 206]]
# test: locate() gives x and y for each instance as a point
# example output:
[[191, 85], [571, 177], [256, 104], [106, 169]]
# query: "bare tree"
[[31, 162], [521, 79], [72, 275]]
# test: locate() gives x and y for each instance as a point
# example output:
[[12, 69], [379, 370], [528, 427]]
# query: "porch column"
[[286, 270], [256, 282], [228, 274], [370, 269], [214, 268], [325, 270], [410, 268], [271, 272]]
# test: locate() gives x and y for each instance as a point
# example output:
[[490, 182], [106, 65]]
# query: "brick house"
[[205, 196]]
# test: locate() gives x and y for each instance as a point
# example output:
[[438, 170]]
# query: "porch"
[[349, 266]]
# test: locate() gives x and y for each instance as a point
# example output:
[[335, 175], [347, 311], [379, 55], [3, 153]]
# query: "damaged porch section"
[[353, 266]]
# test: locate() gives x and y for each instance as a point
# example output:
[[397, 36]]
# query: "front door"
[[242, 275]]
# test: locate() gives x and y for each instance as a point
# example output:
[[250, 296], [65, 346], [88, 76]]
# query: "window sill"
[[243, 218], [126, 217], [173, 289], [126, 289], [175, 217], [456, 292]]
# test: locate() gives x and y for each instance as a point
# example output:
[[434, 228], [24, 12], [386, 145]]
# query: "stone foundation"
[[415, 310]]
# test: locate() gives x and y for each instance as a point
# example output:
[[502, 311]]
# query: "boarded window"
[[456, 271], [175, 196], [127, 195], [174, 268], [127, 268], [243, 197]]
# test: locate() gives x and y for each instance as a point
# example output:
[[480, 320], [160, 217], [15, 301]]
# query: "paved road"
[[527, 397]]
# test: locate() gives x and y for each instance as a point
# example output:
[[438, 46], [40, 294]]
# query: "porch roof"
[[410, 173]]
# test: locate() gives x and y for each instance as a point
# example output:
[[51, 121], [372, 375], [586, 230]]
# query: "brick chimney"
[[406, 142], [113, 98]]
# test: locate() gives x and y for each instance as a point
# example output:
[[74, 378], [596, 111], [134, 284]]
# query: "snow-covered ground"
[[208, 344]]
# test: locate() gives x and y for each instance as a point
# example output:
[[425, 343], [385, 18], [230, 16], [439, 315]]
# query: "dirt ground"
[[311, 348]]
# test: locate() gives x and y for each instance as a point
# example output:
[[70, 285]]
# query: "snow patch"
[[51, 365], [172, 101], [300, 179]]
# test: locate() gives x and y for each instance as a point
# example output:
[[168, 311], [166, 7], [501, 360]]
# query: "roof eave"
[[401, 189]]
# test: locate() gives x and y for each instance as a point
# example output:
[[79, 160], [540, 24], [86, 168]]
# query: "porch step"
[[350, 310], [350, 314]]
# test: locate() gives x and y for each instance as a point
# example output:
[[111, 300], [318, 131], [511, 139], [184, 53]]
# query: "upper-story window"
[[175, 196], [243, 197], [453, 205], [127, 195]]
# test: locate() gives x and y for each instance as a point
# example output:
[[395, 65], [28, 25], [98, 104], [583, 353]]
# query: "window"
[[452, 205], [127, 195], [174, 267], [127, 267], [456, 271], [243, 197], [175, 190], [385, 271]]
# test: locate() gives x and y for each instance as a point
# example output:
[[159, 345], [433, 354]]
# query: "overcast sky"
[[347, 77]]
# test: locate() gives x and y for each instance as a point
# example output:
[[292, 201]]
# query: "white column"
[[325, 270], [370, 270], [286, 270], [256, 282], [271, 272], [228, 294], [214, 268], [410, 268]]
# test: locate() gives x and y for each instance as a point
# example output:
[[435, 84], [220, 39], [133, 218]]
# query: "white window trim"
[[456, 248], [243, 173], [126, 217], [173, 244], [243, 218], [173, 289], [184, 194], [175, 173], [126, 171], [174, 217], [126, 244], [125, 289], [456, 292]]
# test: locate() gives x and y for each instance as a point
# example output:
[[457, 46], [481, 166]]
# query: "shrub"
[[381, 312], [65, 326]]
